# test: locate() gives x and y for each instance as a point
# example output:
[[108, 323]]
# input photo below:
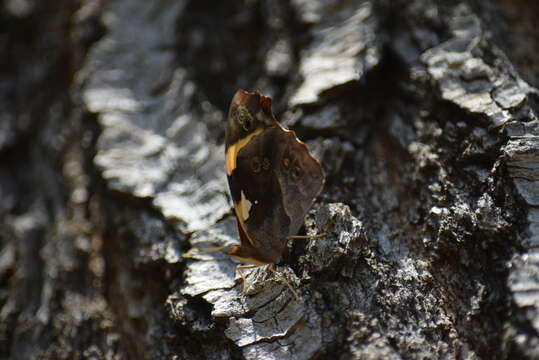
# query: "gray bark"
[[424, 115]]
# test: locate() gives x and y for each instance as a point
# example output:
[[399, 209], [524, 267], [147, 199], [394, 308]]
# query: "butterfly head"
[[249, 113]]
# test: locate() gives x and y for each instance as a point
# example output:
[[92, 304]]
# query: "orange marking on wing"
[[232, 151]]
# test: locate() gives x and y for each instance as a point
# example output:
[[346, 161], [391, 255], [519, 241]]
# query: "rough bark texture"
[[423, 113]]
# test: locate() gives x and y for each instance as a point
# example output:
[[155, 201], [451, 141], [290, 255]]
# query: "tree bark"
[[424, 115]]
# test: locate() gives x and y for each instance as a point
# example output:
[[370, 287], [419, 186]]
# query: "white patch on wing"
[[245, 206]]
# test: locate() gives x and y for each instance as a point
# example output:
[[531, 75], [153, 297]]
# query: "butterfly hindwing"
[[300, 178]]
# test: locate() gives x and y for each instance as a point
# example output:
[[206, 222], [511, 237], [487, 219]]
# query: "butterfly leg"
[[243, 279], [283, 280], [195, 251]]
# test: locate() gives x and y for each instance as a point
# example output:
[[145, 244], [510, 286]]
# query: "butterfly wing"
[[300, 177], [272, 178]]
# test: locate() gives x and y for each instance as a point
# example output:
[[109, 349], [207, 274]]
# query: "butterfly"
[[273, 179]]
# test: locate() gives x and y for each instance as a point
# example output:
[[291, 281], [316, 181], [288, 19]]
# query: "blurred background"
[[422, 113]]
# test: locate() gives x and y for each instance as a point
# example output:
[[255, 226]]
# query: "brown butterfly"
[[273, 179]]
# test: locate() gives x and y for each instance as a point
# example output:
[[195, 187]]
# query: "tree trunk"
[[424, 115]]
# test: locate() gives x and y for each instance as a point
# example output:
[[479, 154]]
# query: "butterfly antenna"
[[317, 236]]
